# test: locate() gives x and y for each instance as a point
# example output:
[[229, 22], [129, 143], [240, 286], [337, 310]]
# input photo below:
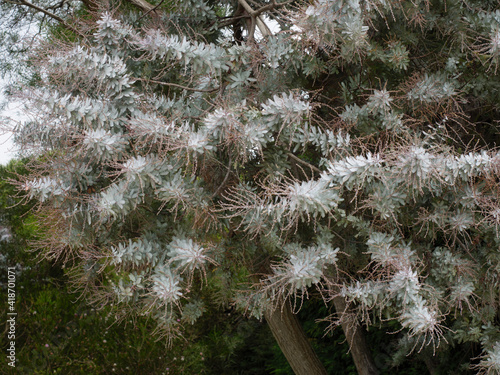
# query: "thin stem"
[[175, 85], [47, 13], [151, 10], [225, 178], [304, 162], [144, 5], [264, 29]]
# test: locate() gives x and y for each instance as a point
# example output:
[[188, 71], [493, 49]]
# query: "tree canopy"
[[348, 154]]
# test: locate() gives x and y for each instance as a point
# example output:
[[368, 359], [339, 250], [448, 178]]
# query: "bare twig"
[[144, 5], [254, 15], [225, 178], [271, 6], [176, 85], [264, 29], [152, 10], [48, 13], [57, 6], [304, 162], [230, 20]]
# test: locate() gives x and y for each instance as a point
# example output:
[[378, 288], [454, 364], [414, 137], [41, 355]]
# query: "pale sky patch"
[[8, 150]]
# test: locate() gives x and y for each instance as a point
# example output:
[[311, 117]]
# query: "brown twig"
[[225, 178], [304, 162], [47, 13], [151, 10], [176, 85]]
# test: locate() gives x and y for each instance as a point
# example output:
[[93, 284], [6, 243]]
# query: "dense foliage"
[[351, 153], [58, 333]]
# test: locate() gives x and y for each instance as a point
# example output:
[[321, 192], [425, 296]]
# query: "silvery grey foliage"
[[335, 156]]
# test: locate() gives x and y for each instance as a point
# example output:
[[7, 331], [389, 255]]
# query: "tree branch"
[[254, 15], [57, 6], [152, 10], [265, 31], [225, 177], [50, 14], [230, 20], [304, 163], [144, 5], [175, 85], [270, 6]]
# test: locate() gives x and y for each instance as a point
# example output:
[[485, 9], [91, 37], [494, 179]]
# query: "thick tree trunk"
[[293, 342], [356, 340]]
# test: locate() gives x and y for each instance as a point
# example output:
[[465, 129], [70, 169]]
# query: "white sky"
[[7, 149]]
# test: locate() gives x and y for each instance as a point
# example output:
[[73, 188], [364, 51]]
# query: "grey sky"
[[7, 149]]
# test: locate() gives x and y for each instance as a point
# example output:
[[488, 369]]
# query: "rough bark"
[[293, 342], [356, 339]]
